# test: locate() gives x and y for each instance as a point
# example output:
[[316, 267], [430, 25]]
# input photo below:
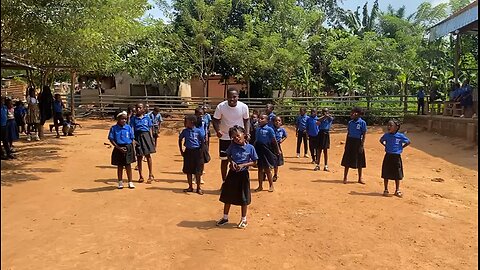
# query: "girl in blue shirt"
[[301, 132], [271, 115], [354, 155], [267, 149], [280, 136], [156, 121], [236, 188], [312, 132], [193, 162], [392, 167], [121, 136], [324, 124], [142, 126]]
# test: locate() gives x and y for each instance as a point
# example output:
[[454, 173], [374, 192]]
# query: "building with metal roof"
[[464, 21]]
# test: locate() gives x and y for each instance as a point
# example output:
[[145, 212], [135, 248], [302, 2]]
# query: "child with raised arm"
[[236, 188], [301, 132], [142, 126], [267, 149], [392, 166], [280, 136], [121, 136], [324, 124], [193, 162], [354, 155]]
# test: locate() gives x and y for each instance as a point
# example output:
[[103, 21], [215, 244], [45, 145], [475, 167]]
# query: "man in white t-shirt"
[[229, 113]]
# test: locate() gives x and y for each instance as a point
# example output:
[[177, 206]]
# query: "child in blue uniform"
[[253, 125], [236, 188], [156, 122], [354, 155], [193, 162], [271, 115], [121, 136], [20, 113], [142, 126], [324, 124], [280, 136], [312, 132], [267, 149], [392, 167], [58, 113], [301, 132]]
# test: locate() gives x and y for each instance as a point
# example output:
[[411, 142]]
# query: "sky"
[[410, 5]]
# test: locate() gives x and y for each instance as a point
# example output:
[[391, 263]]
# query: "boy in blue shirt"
[[121, 136], [3, 129], [312, 132], [324, 124], [193, 162], [20, 113], [156, 122], [271, 115], [58, 113], [392, 166], [301, 132], [354, 155]]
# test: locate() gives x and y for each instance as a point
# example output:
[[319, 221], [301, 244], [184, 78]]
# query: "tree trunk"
[[248, 87]]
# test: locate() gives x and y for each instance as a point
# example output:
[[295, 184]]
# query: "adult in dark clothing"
[[45, 103]]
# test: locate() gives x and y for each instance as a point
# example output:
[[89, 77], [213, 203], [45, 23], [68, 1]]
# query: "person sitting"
[[69, 125]]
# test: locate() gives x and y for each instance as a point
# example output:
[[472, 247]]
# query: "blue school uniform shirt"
[[326, 124], [394, 142], [20, 112], [312, 127], [156, 119], [57, 106], [264, 134], [141, 124], [193, 137], [207, 118], [271, 117], [3, 116], [420, 94], [121, 135], [280, 133], [241, 154], [302, 122], [356, 128]]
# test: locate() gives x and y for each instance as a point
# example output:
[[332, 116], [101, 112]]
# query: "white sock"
[[244, 219], [225, 216]]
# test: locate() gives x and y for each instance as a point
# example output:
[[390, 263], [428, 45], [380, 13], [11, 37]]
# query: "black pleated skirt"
[[352, 158], [266, 157], [280, 159], [121, 159], [145, 144], [324, 139], [236, 188], [193, 161], [392, 167]]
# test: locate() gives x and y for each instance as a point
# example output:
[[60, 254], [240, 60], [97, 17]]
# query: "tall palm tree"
[[359, 24]]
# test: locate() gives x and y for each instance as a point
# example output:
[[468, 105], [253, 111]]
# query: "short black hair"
[[235, 129], [231, 90], [358, 110], [396, 122], [156, 109]]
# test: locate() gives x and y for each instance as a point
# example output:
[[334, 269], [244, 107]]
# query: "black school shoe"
[[222, 222]]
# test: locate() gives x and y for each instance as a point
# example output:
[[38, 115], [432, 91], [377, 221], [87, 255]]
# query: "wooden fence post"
[[72, 93]]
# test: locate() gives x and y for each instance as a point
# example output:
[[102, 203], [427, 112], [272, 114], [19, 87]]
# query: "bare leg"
[[128, 168], [385, 184], [244, 210], [150, 165], [139, 166], [325, 156], [198, 177], [319, 154], [275, 174], [120, 173], [360, 176], [226, 209], [397, 185], [260, 179], [345, 173], [190, 181], [268, 172]]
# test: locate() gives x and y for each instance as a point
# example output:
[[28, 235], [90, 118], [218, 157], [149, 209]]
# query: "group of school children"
[[17, 119], [132, 137]]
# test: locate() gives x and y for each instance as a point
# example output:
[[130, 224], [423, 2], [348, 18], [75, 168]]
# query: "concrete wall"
[[466, 128], [216, 88]]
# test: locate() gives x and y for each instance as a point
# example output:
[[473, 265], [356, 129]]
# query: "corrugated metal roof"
[[460, 19]]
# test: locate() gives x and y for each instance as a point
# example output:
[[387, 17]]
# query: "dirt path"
[[61, 210]]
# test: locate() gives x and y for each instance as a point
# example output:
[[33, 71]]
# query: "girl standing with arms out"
[[142, 126], [312, 131], [236, 188], [354, 155], [121, 136], [324, 124], [267, 149], [280, 136], [301, 132], [392, 167], [33, 115], [192, 155]]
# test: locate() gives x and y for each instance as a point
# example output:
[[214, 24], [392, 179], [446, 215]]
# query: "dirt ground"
[[61, 210]]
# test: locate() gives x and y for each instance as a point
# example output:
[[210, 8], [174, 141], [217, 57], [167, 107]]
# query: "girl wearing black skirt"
[[193, 161], [280, 136], [236, 188], [267, 149], [142, 126], [121, 136], [392, 167], [324, 124], [354, 155]]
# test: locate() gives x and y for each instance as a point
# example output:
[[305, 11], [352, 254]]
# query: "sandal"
[[199, 192], [398, 193], [274, 179], [141, 180], [344, 181], [271, 189], [150, 178], [361, 182], [188, 190], [385, 193], [258, 189]]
